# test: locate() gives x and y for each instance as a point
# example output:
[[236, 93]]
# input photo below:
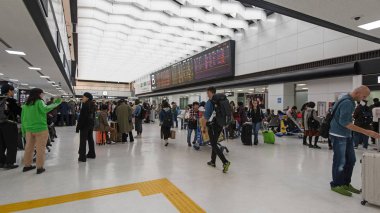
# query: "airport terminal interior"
[[228, 106]]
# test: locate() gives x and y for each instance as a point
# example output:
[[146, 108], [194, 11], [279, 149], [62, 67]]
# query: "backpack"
[[168, 119], [222, 108], [3, 110], [326, 124], [312, 123], [96, 121], [142, 113]]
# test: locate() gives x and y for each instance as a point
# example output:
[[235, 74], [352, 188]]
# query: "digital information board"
[[214, 63]]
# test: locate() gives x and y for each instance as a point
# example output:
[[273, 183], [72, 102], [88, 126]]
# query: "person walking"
[[9, 110], [35, 130], [312, 124], [193, 120], [175, 112], [256, 116], [363, 118], [166, 121], [138, 114], [124, 116], [85, 126], [214, 129], [341, 137]]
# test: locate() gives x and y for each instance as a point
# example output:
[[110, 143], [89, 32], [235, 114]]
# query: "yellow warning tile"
[[179, 199]]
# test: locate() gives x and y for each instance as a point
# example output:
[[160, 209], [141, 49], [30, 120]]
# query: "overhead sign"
[[214, 63]]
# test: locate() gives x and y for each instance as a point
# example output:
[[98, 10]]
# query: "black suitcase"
[[246, 134]]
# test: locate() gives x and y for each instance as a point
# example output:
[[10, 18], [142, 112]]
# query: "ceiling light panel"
[[131, 38]]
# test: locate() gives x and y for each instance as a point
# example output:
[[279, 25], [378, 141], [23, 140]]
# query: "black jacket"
[[256, 115], [363, 117], [13, 109], [87, 116]]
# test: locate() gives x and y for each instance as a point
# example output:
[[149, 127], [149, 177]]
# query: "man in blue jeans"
[[343, 145]]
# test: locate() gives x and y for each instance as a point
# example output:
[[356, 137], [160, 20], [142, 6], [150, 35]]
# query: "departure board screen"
[[214, 63]]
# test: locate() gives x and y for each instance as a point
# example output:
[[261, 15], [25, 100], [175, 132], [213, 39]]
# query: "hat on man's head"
[[6, 88], [88, 95]]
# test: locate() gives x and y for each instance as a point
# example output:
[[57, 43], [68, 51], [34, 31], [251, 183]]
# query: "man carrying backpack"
[[363, 119], [8, 127], [218, 103], [341, 128]]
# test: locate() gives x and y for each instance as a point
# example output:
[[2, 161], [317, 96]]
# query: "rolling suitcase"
[[371, 178], [246, 134], [101, 138], [269, 137]]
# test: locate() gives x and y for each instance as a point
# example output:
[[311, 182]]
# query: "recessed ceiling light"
[[52, 82], [1, 74], [11, 79], [250, 92], [301, 85], [371, 25], [55, 85], [12, 52], [240, 90], [23, 84], [59, 88], [34, 68], [32, 87], [44, 76], [229, 91], [305, 88], [251, 89], [264, 88]]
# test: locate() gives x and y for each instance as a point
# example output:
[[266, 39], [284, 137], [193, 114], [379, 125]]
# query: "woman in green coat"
[[35, 129]]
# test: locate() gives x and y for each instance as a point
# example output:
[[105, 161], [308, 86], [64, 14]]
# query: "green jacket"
[[34, 117]]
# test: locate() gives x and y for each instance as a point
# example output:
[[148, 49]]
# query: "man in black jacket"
[[9, 130]]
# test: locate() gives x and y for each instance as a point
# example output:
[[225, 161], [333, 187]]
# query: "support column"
[[280, 96]]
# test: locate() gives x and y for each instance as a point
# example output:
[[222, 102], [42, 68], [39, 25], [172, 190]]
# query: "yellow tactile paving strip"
[[179, 199]]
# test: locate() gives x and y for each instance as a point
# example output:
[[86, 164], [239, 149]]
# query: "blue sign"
[[279, 100]]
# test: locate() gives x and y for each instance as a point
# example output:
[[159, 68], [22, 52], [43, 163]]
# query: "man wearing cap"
[[8, 128]]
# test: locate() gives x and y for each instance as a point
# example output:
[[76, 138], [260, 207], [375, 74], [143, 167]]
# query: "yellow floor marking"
[[179, 199]]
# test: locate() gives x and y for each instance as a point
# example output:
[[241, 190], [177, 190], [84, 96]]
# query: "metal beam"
[[307, 18]]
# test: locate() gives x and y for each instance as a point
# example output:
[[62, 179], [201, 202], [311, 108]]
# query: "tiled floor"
[[285, 177]]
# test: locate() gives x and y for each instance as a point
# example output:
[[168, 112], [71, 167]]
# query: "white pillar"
[[280, 96]]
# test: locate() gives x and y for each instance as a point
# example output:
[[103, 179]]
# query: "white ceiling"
[[19, 31], [341, 12], [121, 40]]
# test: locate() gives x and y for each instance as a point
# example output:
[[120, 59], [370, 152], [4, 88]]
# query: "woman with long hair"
[[85, 126], [256, 117], [34, 128]]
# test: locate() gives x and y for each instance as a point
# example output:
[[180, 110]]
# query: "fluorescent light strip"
[[13, 52], [24, 84], [44, 76], [34, 68], [371, 25], [1, 74], [52, 82], [11, 79]]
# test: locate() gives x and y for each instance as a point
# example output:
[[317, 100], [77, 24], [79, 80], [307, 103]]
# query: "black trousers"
[[86, 135], [124, 136], [8, 142], [214, 131]]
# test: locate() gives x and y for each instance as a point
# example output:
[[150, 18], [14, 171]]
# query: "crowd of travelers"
[[348, 123]]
